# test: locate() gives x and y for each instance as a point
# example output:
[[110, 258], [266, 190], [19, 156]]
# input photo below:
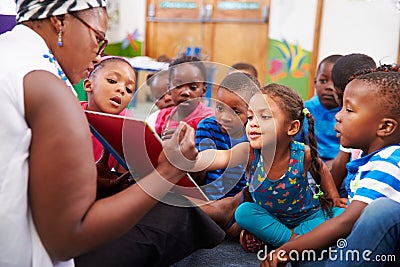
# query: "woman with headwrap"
[[48, 211]]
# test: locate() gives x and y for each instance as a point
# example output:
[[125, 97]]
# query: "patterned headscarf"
[[40, 9]]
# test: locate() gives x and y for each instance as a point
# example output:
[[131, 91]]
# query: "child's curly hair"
[[386, 80]]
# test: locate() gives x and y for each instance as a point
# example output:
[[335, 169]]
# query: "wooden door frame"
[[315, 50]]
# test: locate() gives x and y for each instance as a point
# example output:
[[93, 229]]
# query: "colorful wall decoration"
[[288, 64], [291, 37], [125, 28]]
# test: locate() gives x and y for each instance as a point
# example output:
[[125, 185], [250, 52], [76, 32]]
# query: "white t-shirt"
[[21, 51], [152, 118]]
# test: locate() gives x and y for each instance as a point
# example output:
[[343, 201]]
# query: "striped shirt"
[[222, 182], [375, 175]]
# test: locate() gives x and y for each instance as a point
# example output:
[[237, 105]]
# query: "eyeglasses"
[[101, 40]]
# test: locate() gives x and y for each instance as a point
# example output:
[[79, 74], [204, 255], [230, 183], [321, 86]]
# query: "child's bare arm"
[[327, 183], [212, 159], [339, 170], [329, 188]]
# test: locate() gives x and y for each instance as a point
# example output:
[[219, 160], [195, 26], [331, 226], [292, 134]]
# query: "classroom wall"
[[365, 26]]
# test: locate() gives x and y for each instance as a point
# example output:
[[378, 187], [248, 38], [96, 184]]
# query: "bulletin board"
[[293, 44]]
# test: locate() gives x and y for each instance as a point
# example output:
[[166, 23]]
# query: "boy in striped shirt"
[[370, 121], [225, 130]]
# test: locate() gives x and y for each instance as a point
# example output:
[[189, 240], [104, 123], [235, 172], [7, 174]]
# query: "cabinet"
[[222, 31]]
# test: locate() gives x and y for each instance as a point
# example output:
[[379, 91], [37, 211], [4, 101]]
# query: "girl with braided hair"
[[284, 204]]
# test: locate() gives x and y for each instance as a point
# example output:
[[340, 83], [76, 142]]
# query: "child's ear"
[[387, 127], [87, 85], [294, 128], [204, 90]]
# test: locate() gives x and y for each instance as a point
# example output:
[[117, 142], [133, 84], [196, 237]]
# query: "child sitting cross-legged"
[[284, 204]]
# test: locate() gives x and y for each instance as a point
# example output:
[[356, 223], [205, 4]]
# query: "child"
[[284, 205], [369, 120], [187, 86], [245, 68], [343, 69], [109, 87], [323, 108], [225, 130], [158, 84]]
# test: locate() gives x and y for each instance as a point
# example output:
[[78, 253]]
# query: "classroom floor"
[[228, 253]]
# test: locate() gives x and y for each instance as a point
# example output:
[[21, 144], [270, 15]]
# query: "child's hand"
[[108, 182], [339, 202]]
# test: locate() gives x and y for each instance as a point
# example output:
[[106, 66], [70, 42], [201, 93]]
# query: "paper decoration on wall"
[[130, 40], [290, 43], [289, 64]]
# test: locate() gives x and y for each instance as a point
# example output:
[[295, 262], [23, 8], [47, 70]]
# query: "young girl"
[[373, 127], [187, 86], [109, 87], [284, 205]]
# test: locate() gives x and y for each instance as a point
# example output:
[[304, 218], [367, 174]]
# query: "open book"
[[136, 147]]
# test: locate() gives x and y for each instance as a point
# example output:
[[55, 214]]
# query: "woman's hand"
[[179, 149]]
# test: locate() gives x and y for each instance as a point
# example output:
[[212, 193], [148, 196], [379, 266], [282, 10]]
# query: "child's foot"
[[293, 236], [222, 211], [233, 231], [249, 242], [246, 195]]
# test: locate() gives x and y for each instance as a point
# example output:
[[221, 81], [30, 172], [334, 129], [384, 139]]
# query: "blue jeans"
[[376, 234], [377, 230]]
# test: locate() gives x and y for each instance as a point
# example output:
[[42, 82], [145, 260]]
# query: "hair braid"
[[315, 168]]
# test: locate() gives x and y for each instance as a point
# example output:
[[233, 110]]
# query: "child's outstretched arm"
[[213, 159], [321, 237]]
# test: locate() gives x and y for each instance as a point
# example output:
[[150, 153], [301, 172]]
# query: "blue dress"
[[282, 205], [289, 198]]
